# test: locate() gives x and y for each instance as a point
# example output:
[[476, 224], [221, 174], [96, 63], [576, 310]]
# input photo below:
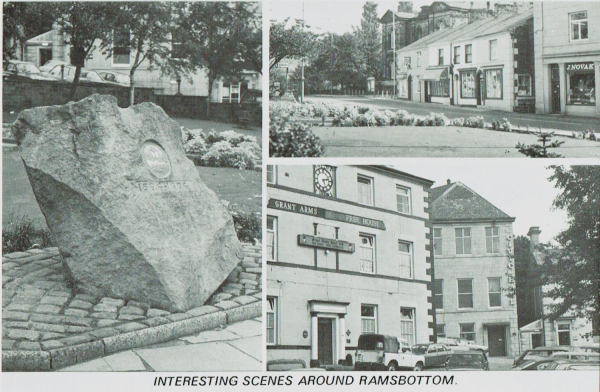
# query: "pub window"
[[365, 190], [457, 55], [468, 54], [440, 88], [564, 334], [467, 331], [493, 49], [368, 319], [463, 241], [406, 259], [403, 199], [271, 320], [581, 82], [467, 84], [495, 292], [440, 56], [492, 240], [437, 241], [493, 84], [271, 174], [524, 85], [367, 254], [438, 294], [465, 293], [579, 25], [440, 330], [121, 52], [271, 238], [407, 325], [418, 59]]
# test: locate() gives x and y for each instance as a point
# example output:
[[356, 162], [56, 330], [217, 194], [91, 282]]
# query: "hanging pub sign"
[[325, 243], [325, 214]]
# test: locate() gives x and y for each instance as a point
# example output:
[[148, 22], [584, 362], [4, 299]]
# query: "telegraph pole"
[[302, 78], [394, 52]]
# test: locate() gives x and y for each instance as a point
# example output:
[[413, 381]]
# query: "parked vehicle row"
[[559, 358]]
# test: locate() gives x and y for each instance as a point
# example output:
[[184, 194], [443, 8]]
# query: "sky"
[[318, 14], [519, 187]]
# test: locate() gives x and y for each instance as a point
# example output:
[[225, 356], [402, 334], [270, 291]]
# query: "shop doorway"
[[478, 82], [426, 90], [555, 87], [325, 341], [497, 340], [409, 83], [45, 56]]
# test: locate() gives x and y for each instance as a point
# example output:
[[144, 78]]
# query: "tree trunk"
[[210, 87], [132, 87], [74, 85]]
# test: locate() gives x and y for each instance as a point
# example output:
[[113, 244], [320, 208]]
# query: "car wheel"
[[392, 367], [418, 367]]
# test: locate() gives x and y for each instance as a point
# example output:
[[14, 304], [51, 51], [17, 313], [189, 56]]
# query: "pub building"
[[348, 252], [567, 58]]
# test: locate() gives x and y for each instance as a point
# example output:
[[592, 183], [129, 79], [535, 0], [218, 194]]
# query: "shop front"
[[438, 83], [581, 88]]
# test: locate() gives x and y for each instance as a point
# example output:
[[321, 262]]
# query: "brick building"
[[474, 270], [348, 252]]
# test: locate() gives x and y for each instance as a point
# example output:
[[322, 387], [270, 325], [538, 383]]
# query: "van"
[[385, 352]]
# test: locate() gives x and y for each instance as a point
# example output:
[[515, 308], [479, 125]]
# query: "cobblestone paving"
[[41, 312]]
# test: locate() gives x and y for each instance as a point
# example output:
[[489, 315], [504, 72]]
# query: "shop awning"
[[435, 74]]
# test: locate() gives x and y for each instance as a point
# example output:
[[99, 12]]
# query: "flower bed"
[[226, 149]]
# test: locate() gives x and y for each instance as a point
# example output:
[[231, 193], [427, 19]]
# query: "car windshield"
[[286, 366], [419, 349], [28, 68], [536, 354], [465, 360]]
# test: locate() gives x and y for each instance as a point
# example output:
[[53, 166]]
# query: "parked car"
[[468, 360], [67, 72], [542, 353], [289, 365], [576, 356], [460, 344], [591, 348], [542, 364], [563, 364], [385, 352], [50, 64], [25, 69], [435, 354], [115, 78]]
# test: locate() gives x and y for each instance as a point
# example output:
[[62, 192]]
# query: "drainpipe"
[[451, 74]]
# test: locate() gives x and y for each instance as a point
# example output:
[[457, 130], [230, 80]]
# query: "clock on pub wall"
[[324, 179]]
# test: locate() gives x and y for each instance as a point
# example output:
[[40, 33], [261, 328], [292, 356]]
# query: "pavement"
[[546, 121], [237, 347]]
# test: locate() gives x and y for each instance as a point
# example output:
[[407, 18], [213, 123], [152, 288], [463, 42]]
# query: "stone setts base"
[[46, 325]]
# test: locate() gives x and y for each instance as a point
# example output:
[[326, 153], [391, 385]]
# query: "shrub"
[[362, 109], [290, 138], [459, 121], [248, 226], [223, 154], [383, 119], [504, 126], [20, 234], [438, 119], [474, 122]]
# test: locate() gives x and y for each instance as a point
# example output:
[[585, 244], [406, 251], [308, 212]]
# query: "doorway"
[[45, 56], [409, 82], [325, 341], [555, 87], [478, 82], [536, 340], [497, 340]]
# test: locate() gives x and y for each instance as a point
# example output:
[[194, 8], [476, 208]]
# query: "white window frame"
[[459, 294], [462, 239], [371, 189], [372, 248], [438, 295], [460, 331], [369, 318], [418, 59], [456, 53], [567, 323], [441, 56], [275, 239], [493, 53], [519, 85], [495, 292], [470, 46], [272, 169], [410, 255], [272, 312], [407, 195], [443, 334], [494, 249], [438, 251], [579, 23], [404, 321], [112, 57]]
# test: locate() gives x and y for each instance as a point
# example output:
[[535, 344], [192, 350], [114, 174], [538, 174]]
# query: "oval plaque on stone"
[[156, 159]]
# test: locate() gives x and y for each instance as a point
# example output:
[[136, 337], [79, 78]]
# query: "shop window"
[[418, 59], [438, 294], [406, 259], [271, 174], [492, 240], [495, 292], [524, 85], [564, 334], [271, 320], [365, 190], [367, 254], [468, 54], [493, 49], [457, 55], [493, 84], [581, 83], [403, 199], [437, 241], [579, 25], [121, 52], [440, 56], [467, 84], [440, 88], [463, 241], [271, 238], [407, 325], [440, 330], [467, 331], [465, 293], [368, 319]]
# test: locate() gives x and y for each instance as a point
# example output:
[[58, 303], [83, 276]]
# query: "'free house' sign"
[[326, 214]]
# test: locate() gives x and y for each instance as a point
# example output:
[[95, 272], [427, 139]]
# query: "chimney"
[[448, 181], [534, 237]]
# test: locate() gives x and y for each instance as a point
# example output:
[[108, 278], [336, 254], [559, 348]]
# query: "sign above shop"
[[325, 243], [580, 67], [325, 214]]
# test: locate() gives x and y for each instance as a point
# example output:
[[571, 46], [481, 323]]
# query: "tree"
[[20, 22], [369, 36], [572, 271], [405, 6], [541, 151], [290, 43]]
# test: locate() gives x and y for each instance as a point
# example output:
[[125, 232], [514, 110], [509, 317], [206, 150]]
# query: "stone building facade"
[[348, 252], [474, 286]]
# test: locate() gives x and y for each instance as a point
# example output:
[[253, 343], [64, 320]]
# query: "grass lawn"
[[239, 187]]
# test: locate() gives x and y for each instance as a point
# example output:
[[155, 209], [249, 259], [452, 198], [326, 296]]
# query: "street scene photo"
[[131, 186], [434, 79], [431, 266]]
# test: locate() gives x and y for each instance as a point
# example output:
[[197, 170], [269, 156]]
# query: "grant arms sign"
[[326, 214]]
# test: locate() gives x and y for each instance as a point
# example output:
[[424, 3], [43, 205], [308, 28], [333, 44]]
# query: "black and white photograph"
[[434, 79], [432, 266], [131, 231]]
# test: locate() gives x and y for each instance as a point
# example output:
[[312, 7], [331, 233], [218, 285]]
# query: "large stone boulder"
[[127, 209]]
